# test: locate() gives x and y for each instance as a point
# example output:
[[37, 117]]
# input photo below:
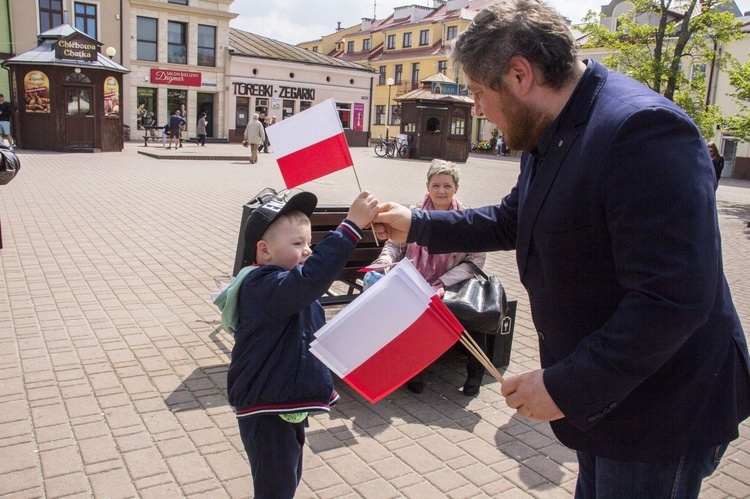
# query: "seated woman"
[[440, 270]]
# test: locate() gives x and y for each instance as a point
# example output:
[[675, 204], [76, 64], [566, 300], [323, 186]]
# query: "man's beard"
[[525, 124]]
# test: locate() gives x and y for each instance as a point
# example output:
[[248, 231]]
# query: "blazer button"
[[530, 292], [541, 335]]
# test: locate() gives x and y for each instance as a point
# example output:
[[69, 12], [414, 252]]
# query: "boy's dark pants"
[[274, 448]]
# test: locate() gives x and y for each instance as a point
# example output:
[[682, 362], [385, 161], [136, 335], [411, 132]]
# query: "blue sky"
[[295, 21]]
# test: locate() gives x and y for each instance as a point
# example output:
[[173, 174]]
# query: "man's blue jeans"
[[678, 478]]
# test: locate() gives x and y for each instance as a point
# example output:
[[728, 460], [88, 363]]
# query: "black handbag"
[[479, 303], [9, 165]]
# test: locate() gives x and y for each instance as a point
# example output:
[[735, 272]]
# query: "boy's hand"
[[363, 209]]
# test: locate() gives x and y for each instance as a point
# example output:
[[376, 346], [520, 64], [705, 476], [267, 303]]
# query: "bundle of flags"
[[388, 334]]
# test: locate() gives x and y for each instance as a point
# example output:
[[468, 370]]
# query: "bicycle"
[[389, 148], [385, 148]]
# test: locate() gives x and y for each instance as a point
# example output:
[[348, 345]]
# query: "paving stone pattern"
[[113, 362]]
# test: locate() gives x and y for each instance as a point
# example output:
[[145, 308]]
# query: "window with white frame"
[[424, 37], [86, 18], [146, 31]]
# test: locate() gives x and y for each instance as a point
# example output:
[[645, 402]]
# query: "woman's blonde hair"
[[441, 167]]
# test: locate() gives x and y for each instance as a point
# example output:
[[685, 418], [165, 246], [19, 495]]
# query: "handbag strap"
[[477, 270]]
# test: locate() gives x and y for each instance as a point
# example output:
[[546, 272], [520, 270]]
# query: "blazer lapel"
[[532, 200]]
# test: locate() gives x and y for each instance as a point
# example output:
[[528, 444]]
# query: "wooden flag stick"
[[356, 177], [477, 352]]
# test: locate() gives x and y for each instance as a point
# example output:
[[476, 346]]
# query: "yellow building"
[[408, 46]]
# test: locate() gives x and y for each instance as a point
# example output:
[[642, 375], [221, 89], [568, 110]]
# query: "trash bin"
[[499, 345], [125, 133]]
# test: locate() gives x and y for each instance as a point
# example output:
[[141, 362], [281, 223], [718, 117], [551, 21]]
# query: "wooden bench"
[[348, 285]]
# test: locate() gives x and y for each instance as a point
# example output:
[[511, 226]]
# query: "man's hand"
[[363, 208], [392, 222], [527, 394]]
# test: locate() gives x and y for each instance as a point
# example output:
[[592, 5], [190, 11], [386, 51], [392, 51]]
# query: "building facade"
[[279, 80], [405, 48], [182, 55]]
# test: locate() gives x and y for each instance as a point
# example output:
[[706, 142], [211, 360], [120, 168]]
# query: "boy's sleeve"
[[296, 289]]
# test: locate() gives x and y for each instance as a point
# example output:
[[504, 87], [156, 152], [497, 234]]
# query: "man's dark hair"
[[527, 28]]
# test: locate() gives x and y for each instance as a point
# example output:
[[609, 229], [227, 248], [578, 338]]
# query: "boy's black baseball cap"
[[272, 207]]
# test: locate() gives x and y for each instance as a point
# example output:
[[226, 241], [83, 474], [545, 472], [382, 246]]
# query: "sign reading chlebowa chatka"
[[77, 49]]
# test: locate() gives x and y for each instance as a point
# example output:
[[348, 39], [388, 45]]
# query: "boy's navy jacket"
[[272, 369]]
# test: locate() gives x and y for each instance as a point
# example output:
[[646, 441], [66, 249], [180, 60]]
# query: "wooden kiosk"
[[436, 119], [66, 94]]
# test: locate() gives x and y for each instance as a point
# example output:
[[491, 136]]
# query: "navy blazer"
[[615, 228]]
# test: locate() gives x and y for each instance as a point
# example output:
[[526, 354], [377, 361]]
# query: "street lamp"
[[111, 52], [390, 83]]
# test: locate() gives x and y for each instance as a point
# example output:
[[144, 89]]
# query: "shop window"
[[407, 40], [451, 32], [395, 115], [399, 74], [458, 125], [78, 101], [86, 18], [381, 75], [206, 45], [146, 32], [345, 114], [177, 100], [261, 106], [391, 42], [350, 47], [424, 37], [432, 125], [148, 97], [176, 42], [287, 109], [379, 115], [443, 67], [366, 44], [50, 14], [304, 104], [241, 111]]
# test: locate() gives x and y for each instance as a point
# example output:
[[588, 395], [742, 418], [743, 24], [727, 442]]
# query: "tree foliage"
[[739, 78], [669, 45]]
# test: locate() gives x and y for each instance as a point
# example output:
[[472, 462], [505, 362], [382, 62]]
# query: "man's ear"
[[261, 252], [521, 74]]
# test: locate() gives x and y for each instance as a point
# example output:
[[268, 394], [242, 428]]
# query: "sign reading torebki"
[[174, 77]]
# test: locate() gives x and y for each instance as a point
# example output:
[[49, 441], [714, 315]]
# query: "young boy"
[[273, 379]]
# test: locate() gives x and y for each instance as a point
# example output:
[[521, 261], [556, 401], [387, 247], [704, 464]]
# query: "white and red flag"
[[310, 144], [389, 334]]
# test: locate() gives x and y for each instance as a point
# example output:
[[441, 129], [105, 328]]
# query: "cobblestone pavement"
[[112, 361]]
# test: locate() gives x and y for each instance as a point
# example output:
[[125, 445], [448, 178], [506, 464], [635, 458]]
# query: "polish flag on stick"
[[388, 335], [310, 144]]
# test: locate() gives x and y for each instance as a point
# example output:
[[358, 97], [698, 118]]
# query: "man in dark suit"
[[613, 219]]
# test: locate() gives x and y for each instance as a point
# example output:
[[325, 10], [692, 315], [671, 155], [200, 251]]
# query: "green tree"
[[739, 78], [669, 45]]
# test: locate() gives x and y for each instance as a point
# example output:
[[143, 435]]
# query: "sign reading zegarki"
[[76, 50], [266, 90]]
